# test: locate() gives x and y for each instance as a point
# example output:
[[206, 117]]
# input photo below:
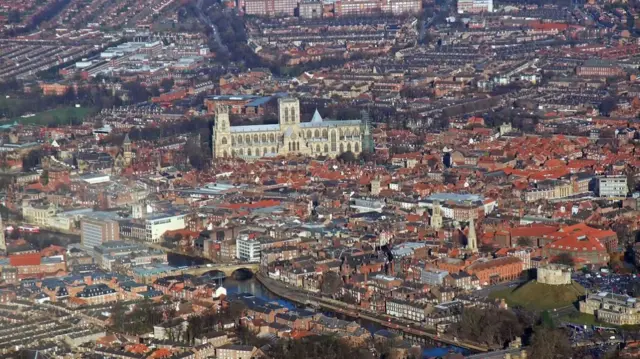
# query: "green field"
[[535, 296], [582, 318], [59, 116], [590, 319]]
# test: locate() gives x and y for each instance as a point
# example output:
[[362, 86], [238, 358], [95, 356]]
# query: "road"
[[437, 17], [207, 22]]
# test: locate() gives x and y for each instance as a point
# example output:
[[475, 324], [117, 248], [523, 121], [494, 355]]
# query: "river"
[[431, 350]]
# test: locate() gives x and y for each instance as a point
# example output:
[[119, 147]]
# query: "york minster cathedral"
[[315, 138]]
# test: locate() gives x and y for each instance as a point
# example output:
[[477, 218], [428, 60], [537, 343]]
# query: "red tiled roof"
[[533, 231], [492, 263], [580, 237], [31, 259]]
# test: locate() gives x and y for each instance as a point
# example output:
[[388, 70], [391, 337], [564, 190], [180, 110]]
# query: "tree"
[[632, 183], [137, 92], [141, 319], [167, 84], [564, 258], [44, 178], [366, 157], [491, 326], [349, 298], [235, 310], [14, 17], [550, 343], [32, 159], [634, 288], [547, 320], [347, 157], [607, 105], [118, 316], [195, 155], [331, 283], [315, 347], [524, 242]]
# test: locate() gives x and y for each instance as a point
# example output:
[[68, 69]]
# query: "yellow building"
[[39, 214], [314, 138]]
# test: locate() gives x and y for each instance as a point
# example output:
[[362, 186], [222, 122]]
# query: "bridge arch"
[[242, 273], [215, 274]]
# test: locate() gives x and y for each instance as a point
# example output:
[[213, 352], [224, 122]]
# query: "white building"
[[96, 178], [158, 224], [524, 255], [452, 205], [612, 186], [247, 249], [365, 204], [475, 6]]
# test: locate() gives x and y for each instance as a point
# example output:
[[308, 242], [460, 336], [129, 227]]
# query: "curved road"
[[207, 22]]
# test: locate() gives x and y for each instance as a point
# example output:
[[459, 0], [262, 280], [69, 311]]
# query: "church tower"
[[3, 243], [436, 216], [126, 150], [221, 138], [367, 136], [137, 210], [289, 120], [375, 186], [289, 111], [472, 241]]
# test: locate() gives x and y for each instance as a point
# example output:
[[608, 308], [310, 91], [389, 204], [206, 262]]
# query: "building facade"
[[475, 6], [310, 9], [612, 308], [248, 249], [97, 229], [3, 242], [157, 225], [97, 294], [612, 186], [289, 136], [405, 309], [39, 214], [496, 270]]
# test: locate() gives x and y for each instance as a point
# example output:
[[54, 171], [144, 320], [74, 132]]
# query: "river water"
[[432, 350]]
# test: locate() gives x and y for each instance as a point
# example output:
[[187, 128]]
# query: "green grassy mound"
[[536, 296]]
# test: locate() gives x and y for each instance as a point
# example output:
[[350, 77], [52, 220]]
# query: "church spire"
[[316, 117]]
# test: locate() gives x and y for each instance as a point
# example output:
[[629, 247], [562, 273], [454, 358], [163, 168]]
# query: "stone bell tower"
[[221, 138], [436, 216]]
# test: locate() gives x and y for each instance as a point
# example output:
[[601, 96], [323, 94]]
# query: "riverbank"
[[308, 298]]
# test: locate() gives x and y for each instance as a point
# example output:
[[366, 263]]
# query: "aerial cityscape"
[[321, 179]]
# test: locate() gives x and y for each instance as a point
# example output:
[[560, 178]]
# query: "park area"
[[58, 116], [536, 296], [37, 111], [591, 320]]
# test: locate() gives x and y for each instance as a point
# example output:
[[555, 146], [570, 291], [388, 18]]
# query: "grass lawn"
[[60, 116], [8, 102], [582, 319], [590, 319], [535, 296]]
